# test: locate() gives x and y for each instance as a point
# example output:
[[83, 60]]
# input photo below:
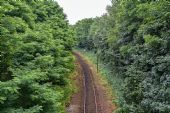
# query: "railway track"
[[90, 99]]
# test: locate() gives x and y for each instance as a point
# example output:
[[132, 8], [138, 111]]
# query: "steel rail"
[[94, 91], [85, 97]]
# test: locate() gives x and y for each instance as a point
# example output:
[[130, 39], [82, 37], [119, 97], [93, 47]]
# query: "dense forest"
[[35, 57], [36, 63], [133, 40]]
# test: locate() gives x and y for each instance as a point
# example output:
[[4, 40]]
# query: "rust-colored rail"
[[90, 95]]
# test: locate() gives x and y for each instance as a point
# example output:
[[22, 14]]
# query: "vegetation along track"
[[90, 101]]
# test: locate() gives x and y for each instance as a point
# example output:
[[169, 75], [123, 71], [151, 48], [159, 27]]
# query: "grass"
[[112, 78]]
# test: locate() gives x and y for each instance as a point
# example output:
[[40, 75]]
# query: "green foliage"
[[82, 29], [133, 39], [35, 57]]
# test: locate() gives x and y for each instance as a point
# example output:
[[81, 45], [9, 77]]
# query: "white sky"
[[80, 9]]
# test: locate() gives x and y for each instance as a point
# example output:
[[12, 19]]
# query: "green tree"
[[35, 57], [82, 29]]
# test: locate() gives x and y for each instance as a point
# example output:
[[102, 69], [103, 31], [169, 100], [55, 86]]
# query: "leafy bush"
[[35, 57]]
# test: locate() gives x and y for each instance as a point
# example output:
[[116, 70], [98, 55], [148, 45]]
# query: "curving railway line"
[[90, 97]]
